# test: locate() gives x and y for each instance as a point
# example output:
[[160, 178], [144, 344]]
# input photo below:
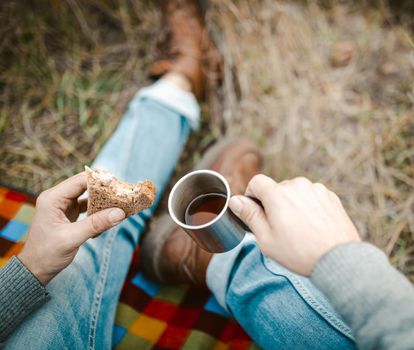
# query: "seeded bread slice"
[[106, 191]]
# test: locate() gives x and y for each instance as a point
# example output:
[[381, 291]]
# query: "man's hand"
[[54, 236], [300, 223]]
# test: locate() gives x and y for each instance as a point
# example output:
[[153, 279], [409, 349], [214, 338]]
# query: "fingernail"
[[236, 205], [116, 215]]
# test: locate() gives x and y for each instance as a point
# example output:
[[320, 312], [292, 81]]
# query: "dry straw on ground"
[[67, 70], [327, 93]]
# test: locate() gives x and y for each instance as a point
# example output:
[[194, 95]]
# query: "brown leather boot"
[[168, 254], [186, 46]]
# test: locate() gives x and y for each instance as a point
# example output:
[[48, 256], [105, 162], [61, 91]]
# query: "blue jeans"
[[277, 308], [81, 312]]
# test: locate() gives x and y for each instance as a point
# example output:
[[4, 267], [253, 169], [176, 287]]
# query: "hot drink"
[[204, 208], [198, 203]]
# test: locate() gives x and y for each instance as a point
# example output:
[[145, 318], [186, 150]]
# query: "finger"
[[83, 205], [260, 186], [71, 188], [251, 214], [96, 224], [75, 208]]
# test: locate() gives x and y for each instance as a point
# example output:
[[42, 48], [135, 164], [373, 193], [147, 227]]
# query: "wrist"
[[35, 267], [332, 248]]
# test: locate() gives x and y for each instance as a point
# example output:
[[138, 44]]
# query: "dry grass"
[[327, 92], [68, 69]]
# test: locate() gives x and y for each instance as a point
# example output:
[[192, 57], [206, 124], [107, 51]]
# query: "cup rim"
[[185, 177]]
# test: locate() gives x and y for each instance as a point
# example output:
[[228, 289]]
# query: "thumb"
[[96, 223], [251, 214]]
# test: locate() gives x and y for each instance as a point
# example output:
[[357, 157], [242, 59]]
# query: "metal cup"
[[221, 234]]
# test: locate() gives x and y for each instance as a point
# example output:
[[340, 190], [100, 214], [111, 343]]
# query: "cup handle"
[[242, 224], [256, 201]]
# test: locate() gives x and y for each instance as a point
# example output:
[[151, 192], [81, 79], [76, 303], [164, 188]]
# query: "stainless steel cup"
[[222, 233]]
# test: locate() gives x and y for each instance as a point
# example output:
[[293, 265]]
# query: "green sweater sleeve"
[[20, 294], [374, 299]]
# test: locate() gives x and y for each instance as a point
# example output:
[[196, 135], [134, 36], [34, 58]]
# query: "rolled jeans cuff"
[[220, 268], [171, 96]]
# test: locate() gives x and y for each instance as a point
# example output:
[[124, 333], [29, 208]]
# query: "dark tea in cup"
[[199, 203], [204, 208]]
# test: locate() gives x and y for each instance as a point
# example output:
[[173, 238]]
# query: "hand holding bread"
[[55, 236]]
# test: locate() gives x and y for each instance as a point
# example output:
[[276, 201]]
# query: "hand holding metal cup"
[[199, 203]]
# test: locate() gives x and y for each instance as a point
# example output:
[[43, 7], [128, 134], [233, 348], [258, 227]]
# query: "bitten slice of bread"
[[106, 191]]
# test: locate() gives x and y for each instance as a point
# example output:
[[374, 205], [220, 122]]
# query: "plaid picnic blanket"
[[149, 315]]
